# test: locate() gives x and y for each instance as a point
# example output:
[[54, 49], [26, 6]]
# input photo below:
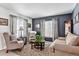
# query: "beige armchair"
[[32, 35], [15, 44]]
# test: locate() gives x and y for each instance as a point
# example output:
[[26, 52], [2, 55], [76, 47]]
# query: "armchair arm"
[[13, 41], [61, 38], [18, 44], [67, 48]]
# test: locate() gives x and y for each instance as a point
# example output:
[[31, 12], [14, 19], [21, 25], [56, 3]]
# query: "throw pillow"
[[72, 39]]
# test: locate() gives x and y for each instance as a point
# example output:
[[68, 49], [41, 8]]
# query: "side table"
[[37, 45], [24, 39]]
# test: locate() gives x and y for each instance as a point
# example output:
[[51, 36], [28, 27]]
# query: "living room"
[[39, 29]]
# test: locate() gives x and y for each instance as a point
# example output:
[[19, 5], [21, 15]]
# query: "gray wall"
[[61, 19], [61, 27], [38, 21], [76, 25]]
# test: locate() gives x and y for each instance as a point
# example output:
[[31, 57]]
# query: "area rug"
[[27, 51]]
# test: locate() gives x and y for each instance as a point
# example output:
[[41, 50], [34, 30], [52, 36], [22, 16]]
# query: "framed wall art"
[[77, 18], [29, 25], [3, 22]]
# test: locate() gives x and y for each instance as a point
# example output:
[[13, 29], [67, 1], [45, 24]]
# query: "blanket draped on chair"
[[2, 42]]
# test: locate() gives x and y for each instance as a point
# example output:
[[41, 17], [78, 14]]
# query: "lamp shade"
[[21, 28], [37, 25]]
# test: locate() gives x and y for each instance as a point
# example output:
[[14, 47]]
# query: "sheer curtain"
[[42, 29], [25, 32], [13, 25], [54, 28]]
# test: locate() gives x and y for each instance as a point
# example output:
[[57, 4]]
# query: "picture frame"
[[29, 25], [77, 18], [3, 22]]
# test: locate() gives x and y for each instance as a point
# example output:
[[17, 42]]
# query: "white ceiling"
[[35, 10]]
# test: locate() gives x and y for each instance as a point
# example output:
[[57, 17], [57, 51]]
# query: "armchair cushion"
[[57, 41], [13, 38], [67, 48], [12, 46], [13, 41]]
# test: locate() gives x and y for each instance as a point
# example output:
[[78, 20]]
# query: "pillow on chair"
[[13, 38], [72, 39]]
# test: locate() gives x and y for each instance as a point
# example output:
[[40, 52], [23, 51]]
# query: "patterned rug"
[[27, 51]]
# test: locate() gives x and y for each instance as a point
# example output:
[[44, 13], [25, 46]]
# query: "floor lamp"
[[21, 29]]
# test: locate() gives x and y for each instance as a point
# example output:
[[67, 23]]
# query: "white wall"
[[5, 13], [76, 28]]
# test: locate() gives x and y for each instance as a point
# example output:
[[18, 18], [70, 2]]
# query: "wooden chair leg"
[[6, 51], [53, 50]]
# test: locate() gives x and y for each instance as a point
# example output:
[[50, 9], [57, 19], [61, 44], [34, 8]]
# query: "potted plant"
[[39, 43], [39, 37]]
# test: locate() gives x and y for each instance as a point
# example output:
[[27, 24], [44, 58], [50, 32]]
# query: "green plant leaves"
[[39, 38]]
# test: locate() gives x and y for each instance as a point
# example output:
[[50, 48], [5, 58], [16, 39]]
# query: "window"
[[15, 24], [21, 27], [48, 28]]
